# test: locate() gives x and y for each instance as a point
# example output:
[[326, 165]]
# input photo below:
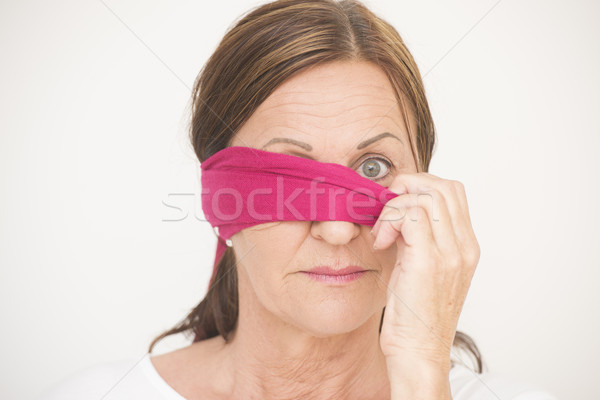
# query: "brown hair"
[[264, 48]]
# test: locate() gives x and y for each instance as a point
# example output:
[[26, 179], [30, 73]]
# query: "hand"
[[436, 259]]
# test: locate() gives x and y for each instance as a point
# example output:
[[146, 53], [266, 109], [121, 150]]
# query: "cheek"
[[267, 252], [265, 243]]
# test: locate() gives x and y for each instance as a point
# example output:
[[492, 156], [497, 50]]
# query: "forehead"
[[334, 82], [340, 98]]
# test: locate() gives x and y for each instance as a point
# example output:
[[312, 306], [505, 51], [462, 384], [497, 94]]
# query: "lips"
[[325, 270]]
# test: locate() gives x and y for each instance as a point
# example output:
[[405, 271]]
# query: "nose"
[[335, 232]]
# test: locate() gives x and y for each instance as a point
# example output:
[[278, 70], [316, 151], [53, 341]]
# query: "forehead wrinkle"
[[296, 108], [329, 116], [314, 128], [378, 126]]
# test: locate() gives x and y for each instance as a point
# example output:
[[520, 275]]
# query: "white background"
[[93, 140]]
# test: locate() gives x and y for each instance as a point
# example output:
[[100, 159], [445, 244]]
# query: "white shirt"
[[138, 379]]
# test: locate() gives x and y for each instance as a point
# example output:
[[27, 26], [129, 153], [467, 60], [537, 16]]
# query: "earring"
[[229, 243]]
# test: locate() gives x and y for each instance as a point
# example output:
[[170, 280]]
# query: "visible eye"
[[374, 168]]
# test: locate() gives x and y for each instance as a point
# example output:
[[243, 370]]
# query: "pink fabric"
[[243, 187]]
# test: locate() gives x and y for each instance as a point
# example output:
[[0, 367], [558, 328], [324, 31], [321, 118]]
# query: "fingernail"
[[372, 234]]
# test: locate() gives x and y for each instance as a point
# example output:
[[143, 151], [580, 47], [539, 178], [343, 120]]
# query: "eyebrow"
[[305, 146], [308, 147]]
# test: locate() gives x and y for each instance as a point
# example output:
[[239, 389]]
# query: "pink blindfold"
[[243, 187]]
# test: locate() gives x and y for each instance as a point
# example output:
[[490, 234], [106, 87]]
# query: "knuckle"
[[458, 185], [420, 214], [430, 199], [473, 254], [432, 193], [419, 211], [392, 214], [449, 186], [397, 186], [399, 179], [396, 214], [476, 254]]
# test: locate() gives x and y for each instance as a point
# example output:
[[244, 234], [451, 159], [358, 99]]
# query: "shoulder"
[[116, 380], [466, 384]]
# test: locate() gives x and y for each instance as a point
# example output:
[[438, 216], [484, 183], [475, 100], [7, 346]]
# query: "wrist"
[[419, 380], [427, 365]]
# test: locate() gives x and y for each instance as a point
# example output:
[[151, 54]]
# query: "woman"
[[326, 308]]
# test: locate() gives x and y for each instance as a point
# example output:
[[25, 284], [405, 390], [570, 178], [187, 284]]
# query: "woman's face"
[[328, 113]]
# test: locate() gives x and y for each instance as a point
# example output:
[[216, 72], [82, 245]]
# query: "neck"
[[271, 359]]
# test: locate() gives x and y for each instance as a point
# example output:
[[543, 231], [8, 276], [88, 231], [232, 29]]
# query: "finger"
[[386, 207], [416, 229], [468, 246], [450, 189], [461, 196], [412, 224], [388, 227], [438, 215], [397, 188], [455, 194]]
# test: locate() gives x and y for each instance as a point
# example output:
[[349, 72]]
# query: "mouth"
[[336, 276]]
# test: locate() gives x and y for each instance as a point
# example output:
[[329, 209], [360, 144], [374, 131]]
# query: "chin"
[[333, 317]]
